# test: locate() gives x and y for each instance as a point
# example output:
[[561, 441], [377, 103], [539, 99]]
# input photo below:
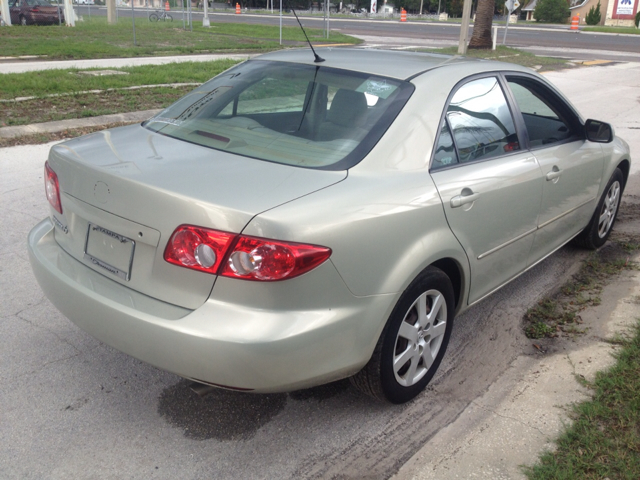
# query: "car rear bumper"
[[262, 348]]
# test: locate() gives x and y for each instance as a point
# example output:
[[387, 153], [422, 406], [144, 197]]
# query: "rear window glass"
[[303, 115]]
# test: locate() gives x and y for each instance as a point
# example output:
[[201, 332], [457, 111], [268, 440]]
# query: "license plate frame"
[[101, 243]]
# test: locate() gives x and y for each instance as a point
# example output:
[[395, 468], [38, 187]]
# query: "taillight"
[[52, 187], [248, 258], [197, 248], [253, 258]]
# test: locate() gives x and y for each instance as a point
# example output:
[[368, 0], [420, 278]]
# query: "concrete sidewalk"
[[30, 65], [61, 125]]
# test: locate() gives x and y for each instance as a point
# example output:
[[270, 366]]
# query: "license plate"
[[110, 251]]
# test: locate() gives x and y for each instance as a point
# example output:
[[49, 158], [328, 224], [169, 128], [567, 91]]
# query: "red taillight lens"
[[255, 258], [511, 147], [52, 187], [198, 248], [248, 258]]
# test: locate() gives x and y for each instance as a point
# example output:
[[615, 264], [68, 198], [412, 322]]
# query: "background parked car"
[[35, 12]]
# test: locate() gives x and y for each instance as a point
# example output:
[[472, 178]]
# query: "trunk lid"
[[136, 187]]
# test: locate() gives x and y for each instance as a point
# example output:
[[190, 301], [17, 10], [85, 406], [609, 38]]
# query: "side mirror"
[[599, 132]]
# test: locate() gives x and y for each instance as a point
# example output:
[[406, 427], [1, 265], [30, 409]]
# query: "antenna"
[[318, 57]]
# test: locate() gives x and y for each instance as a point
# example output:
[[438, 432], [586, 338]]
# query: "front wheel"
[[153, 17], [23, 21], [168, 18], [597, 232], [413, 342]]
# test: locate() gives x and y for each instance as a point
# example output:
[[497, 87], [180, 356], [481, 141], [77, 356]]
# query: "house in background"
[[528, 9], [612, 12]]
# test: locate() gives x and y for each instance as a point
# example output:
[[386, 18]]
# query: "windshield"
[[303, 115]]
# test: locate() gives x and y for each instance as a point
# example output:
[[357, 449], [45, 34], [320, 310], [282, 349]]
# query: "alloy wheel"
[[419, 338], [609, 209]]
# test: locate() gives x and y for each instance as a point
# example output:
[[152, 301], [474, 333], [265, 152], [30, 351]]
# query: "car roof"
[[388, 63]]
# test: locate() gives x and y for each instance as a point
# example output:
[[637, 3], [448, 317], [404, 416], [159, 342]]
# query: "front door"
[[570, 165]]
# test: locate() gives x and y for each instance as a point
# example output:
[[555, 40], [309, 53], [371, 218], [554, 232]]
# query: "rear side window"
[[478, 125], [547, 118]]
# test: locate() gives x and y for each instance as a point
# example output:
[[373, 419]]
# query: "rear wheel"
[[601, 224], [413, 342], [153, 17]]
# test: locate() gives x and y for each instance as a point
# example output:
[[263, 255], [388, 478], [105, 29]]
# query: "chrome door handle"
[[467, 196], [554, 174]]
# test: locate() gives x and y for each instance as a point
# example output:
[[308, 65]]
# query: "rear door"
[[490, 187]]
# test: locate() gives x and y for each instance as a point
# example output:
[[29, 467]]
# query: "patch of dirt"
[[39, 138], [558, 315], [47, 109]]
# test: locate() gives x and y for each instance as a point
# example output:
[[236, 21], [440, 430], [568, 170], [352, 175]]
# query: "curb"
[[60, 125]]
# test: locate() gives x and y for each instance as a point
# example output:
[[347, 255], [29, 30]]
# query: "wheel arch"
[[625, 168], [453, 270]]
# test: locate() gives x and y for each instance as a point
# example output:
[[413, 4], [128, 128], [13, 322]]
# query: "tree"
[[552, 11], [481, 36], [593, 16]]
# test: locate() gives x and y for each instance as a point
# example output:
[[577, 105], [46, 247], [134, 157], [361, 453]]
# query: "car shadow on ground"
[[227, 415]]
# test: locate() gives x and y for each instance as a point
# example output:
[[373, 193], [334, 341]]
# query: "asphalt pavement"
[[74, 408]]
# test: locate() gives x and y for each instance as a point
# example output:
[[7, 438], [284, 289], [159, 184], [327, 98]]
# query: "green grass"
[[48, 82], [625, 30], [94, 38], [58, 93], [603, 440], [511, 55]]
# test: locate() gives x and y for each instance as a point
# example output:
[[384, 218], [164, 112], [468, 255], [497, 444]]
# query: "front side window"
[[548, 119], [302, 115], [481, 122]]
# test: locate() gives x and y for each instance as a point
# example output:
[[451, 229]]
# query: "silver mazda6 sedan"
[[293, 222]]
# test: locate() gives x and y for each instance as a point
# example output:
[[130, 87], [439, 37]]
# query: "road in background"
[[549, 40]]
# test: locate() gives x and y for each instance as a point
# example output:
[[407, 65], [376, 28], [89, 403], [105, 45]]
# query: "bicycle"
[[160, 15]]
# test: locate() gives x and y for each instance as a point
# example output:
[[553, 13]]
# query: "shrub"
[[552, 11], [593, 16]]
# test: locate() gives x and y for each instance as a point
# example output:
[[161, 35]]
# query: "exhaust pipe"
[[201, 389]]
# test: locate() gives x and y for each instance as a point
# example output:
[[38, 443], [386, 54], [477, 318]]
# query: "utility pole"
[[4, 11], [464, 31], [111, 12], [205, 19]]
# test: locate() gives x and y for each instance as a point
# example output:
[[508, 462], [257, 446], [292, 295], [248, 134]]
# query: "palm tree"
[[481, 37]]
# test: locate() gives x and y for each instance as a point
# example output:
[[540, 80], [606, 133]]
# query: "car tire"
[[23, 21], [597, 232], [413, 341], [153, 17]]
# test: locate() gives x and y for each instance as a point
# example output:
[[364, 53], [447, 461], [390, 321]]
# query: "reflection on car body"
[[296, 223]]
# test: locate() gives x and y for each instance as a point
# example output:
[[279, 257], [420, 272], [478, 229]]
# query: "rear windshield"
[[303, 115]]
